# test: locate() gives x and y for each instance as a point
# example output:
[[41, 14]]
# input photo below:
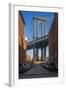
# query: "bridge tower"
[[38, 32]]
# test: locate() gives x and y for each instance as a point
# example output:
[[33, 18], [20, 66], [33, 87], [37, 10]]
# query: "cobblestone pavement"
[[37, 71]]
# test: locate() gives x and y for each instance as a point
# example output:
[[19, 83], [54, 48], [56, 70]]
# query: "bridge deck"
[[39, 42]]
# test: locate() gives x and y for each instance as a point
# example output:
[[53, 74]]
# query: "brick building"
[[21, 38], [53, 41]]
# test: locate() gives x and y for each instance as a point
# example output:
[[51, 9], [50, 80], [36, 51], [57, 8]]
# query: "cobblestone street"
[[37, 71]]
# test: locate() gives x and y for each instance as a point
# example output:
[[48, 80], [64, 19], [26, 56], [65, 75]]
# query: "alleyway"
[[37, 71]]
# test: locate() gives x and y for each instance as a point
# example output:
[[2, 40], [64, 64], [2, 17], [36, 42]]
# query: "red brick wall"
[[22, 43], [53, 41]]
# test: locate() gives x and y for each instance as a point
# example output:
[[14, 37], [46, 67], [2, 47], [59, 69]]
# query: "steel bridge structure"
[[40, 39]]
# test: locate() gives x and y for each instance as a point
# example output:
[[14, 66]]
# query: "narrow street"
[[37, 71]]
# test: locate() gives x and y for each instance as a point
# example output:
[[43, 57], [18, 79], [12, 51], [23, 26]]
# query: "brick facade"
[[22, 43], [53, 41]]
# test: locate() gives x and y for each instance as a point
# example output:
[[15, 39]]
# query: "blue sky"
[[28, 18]]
